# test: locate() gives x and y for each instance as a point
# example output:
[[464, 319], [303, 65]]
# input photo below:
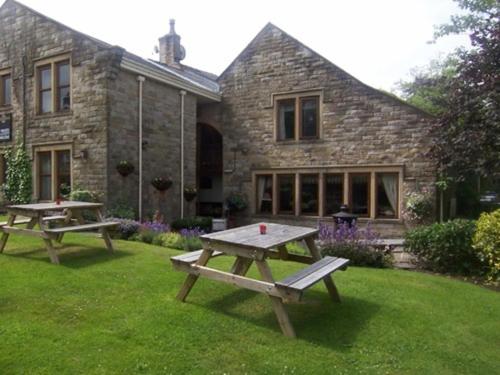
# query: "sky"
[[377, 41]]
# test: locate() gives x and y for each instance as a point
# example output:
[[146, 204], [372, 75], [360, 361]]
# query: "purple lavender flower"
[[155, 226], [195, 232]]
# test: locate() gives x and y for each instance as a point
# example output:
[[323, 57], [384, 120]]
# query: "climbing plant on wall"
[[17, 186]]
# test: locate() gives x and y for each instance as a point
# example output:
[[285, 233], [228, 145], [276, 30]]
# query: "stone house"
[[292, 132]]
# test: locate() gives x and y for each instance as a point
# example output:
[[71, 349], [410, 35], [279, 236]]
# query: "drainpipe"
[[141, 80], [182, 93]]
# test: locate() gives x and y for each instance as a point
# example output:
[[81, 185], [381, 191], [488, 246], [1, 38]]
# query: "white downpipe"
[[182, 93], [141, 80]]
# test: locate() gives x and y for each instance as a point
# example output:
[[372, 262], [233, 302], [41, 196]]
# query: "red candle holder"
[[58, 201], [262, 228]]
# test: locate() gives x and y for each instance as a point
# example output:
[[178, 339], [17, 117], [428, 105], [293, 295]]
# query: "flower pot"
[[125, 168], [161, 184], [189, 195]]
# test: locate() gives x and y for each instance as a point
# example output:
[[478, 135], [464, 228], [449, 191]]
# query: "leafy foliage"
[[122, 210], [125, 229], [17, 187], [419, 207], [486, 241], [463, 92], [83, 195], [236, 202], [445, 247]]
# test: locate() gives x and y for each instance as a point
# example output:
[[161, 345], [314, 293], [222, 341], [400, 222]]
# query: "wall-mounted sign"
[[5, 128]]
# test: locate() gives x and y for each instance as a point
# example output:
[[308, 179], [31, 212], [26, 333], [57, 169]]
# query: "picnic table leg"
[[104, 231], [191, 279], [241, 266], [330, 285], [5, 236], [32, 223], [278, 306], [48, 243]]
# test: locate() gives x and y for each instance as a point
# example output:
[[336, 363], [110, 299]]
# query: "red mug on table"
[[262, 228]]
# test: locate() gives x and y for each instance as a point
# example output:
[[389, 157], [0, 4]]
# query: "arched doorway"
[[209, 171]]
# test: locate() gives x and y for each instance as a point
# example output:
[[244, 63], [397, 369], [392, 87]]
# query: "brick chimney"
[[171, 51]]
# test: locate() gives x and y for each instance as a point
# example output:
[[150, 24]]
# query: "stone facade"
[[360, 126], [102, 124], [361, 129]]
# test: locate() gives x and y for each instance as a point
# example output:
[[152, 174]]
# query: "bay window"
[[286, 194], [359, 194], [265, 194], [309, 194], [387, 195], [334, 193]]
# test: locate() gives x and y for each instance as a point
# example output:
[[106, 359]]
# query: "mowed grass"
[[98, 313]]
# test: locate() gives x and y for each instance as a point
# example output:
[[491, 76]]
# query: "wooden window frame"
[[53, 62], [301, 176], [53, 149], [345, 171], [3, 75], [297, 98], [294, 192], [41, 90], [256, 190], [397, 213]]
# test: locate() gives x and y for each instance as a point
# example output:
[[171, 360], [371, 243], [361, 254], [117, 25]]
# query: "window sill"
[[5, 108], [53, 115], [311, 217], [299, 141]]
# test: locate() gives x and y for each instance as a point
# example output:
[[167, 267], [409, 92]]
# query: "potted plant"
[[189, 193], [65, 190], [125, 168], [236, 202], [161, 184]]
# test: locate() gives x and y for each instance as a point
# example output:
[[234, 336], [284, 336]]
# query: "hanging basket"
[[189, 194], [161, 184], [125, 168]]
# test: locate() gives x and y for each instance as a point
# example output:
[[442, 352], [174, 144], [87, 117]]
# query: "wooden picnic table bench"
[[70, 214], [249, 246]]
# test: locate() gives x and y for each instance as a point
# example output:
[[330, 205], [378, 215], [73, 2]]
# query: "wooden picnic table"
[[249, 246], [69, 216]]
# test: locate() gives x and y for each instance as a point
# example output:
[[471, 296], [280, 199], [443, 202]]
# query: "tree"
[[463, 91]]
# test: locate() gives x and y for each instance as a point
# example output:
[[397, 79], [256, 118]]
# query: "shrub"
[[202, 223], [17, 187], [419, 207], [172, 240], [445, 247], [486, 242], [83, 195], [155, 226], [122, 210], [125, 229], [353, 243], [145, 235]]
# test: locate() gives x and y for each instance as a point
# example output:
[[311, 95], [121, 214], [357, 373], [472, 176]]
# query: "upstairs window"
[[54, 86], [297, 118], [5, 90]]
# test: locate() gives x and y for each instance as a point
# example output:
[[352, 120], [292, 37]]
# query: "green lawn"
[[103, 314]]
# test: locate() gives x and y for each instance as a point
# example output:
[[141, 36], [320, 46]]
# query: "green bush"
[[202, 223], [122, 210], [359, 254], [17, 187], [191, 243], [172, 240], [83, 195], [486, 242], [445, 247], [146, 236]]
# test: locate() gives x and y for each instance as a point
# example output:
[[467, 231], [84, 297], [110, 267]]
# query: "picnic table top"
[[53, 206], [249, 235]]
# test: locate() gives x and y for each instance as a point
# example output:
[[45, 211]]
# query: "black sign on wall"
[[5, 128]]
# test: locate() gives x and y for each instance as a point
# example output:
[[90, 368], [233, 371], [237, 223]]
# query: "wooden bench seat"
[[294, 285], [78, 228], [191, 257], [26, 221]]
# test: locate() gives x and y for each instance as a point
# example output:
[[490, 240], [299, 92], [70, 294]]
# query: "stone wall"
[[161, 137], [26, 35], [360, 125]]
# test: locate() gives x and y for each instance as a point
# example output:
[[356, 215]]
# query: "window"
[[334, 193], [265, 194], [309, 194], [309, 117], [45, 86], [5, 90], [386, 202], [286, 191], [3, 169], [286, 120], [297, 117], [53, 171], [63, 86], [359, 189], [53, 86]]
